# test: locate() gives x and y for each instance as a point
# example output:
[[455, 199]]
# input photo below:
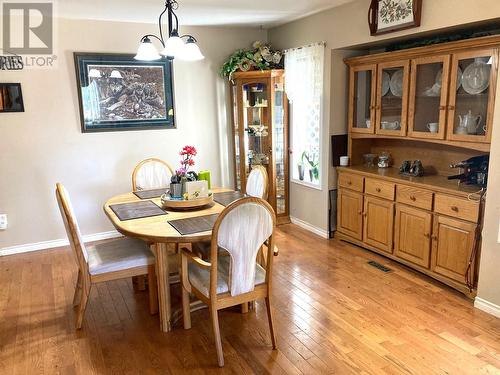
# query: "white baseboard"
[[18, 249], [487, 306], [309, 227]]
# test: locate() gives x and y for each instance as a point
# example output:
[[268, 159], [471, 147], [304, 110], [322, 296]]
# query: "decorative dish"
[[183, 204], [476, 77], [396, 84]]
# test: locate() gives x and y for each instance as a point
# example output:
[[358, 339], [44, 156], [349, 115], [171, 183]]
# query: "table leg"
[[162, 275]]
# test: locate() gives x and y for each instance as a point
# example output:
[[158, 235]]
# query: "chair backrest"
[[72, 229], [241, 229], [257, 182], [151, 174]]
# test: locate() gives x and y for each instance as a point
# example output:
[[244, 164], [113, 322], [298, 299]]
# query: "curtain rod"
[[307, 45]]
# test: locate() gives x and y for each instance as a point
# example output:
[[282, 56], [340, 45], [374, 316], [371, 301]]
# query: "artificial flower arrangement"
[[186, 184], [260, 56]]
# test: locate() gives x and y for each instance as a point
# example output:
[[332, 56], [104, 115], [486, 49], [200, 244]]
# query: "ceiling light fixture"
[[174, 46]]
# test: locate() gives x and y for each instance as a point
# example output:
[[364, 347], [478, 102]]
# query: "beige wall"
[[45, 145], [346, 27]]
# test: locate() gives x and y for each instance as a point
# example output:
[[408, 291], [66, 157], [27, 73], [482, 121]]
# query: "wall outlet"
[[3, 221]]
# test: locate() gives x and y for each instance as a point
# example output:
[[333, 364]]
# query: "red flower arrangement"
[[187, 153]]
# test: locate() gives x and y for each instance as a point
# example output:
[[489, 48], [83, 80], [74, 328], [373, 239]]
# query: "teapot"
[[469, 123]]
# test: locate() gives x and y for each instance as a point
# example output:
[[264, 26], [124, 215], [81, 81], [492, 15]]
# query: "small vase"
[[176, 190], [301, 172]]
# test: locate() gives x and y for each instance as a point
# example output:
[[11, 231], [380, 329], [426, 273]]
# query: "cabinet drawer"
[[414, 197], [351, 181], [456, 207], [380, 188]]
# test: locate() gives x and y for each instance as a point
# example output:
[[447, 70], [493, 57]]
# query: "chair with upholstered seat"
[[240, 230], [151, 174], [110, 260]]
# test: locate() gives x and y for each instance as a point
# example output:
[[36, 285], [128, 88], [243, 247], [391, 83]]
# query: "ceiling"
[[266, 13]]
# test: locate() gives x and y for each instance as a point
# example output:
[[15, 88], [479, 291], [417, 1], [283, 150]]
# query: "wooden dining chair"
[[257, 183], [241, 229], [111, 260], [150, 174]]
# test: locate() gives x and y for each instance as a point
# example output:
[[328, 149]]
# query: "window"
[[304, 87]]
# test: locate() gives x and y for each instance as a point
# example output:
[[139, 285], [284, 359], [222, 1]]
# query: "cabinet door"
[[472, 95], [392, 97], [362, 99], [428, 97], [349, 213], [453, 241], [378, 223], [412, 235]]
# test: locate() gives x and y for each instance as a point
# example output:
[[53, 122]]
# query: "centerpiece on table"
[[188, 189]]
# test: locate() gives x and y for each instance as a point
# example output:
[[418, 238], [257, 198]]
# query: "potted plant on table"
[[313, 162], [182, 175]]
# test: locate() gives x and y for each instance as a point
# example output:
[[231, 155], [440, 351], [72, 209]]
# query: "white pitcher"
[[469, 123]]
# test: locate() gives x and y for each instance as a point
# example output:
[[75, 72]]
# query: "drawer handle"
[[454, 208], [378, 190], [349, 183], [412, 198]]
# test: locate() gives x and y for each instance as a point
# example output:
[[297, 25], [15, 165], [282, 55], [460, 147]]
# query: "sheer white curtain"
[[304, 86]]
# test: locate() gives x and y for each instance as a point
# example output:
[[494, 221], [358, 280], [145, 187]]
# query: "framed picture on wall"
[[119, 93], [386, 16], [11, 97]]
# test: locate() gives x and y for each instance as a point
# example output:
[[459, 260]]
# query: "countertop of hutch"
[[432, 182]]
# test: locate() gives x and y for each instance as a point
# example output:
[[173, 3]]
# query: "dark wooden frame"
[[8, 84], [82, 59], [373, 18]]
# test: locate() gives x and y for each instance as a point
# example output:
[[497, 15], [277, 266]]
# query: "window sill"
[[307, 184]]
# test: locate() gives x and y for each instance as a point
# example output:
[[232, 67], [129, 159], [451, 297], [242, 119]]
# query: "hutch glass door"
[[428, 97], [472, 96], [392, 97], [362, 99]]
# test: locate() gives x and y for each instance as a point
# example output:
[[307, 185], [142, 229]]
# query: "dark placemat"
[[148, 194], [136, 210], [194, 224], [228, 197]]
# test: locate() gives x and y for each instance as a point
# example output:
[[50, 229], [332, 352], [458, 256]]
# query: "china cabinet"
[[260, 133], [434, 104]]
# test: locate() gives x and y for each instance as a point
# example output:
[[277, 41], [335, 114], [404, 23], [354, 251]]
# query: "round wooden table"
[[165, 240]]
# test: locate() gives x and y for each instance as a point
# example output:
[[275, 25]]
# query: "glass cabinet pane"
[[391, 102], [256, 125], [236, 134], [429, 83], [472, 97], [279, 148], [362, 111]]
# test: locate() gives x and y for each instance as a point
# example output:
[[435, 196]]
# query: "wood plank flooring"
[[334, 314]]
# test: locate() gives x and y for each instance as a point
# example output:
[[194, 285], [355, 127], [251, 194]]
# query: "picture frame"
[[387, 16], [11, 97], [118, 93]]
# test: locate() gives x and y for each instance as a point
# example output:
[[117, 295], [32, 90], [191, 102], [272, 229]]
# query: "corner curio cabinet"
[[260, 133]]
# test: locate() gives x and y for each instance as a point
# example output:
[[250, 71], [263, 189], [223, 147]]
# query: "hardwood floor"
[[334, 314]]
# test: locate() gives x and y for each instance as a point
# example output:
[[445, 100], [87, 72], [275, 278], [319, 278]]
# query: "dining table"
[[164, 238]]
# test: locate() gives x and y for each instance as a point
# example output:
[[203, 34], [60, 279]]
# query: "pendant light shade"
[[191, 51], [147, 51], [174, 46]]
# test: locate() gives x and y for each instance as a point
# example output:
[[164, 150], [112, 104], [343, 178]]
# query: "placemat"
[[136, 210], [148, 194], [194, 224], [228, 197]]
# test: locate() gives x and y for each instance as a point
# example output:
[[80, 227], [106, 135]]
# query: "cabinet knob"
[[360, 213], [451, 107], [454, 208], [378, 190], [349, 183], [412, 198], [364, 214], [427, 235], [434, 237], [442, 107]]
